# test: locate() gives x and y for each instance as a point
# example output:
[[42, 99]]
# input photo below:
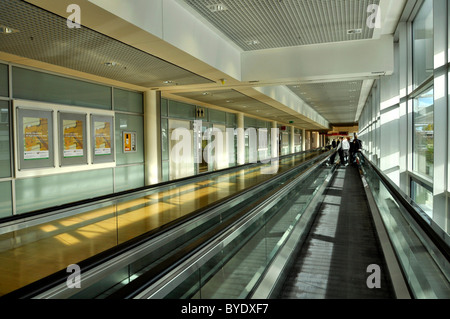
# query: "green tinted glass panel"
[[5, 199], [4, 80], [5, 166], [129, 177], [128, 101], [165, 171], [231, 120], [38, 86], [164, 139], [47, 191], [250, 122], [181, 110], [129, 123], [164, 108], [217, 116]]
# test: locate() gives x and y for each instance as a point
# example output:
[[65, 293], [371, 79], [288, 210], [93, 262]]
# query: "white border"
[[57, 169]]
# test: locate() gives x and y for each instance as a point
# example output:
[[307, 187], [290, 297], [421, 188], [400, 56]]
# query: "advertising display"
[[35, 131], [72, 137], [35, 138], [102, 131]]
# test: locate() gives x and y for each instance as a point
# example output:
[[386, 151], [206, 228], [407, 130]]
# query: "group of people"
[[347, 149]]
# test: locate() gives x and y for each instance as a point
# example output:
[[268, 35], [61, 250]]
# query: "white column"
[[303, 140], [274, 143], [292, 140], [240, 139], [152, 137]]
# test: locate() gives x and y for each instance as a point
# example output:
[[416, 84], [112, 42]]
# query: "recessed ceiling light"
[[168, 82], [217, 7], [205, 93], [354, 31], [111, 63], [7, 30], [252, 42]]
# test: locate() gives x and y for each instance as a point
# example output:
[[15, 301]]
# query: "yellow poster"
[[73, 138], [102, 138], [36, 138]]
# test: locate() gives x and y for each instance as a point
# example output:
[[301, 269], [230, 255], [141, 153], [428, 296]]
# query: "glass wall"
[[423, 44], [423, 141], [422, 196], [4, 89], [5, 165], [38, 86]]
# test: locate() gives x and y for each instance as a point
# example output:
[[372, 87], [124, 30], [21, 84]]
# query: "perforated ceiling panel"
[[234, 100], [337, 102], [264, 24], [45, 37]]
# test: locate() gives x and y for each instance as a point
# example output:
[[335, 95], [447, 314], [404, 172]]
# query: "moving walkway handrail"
[[139, 285], [437, 235], [40, 286], [11, 222]]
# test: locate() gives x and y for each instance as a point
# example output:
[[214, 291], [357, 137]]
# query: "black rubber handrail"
[[157, 272], [112, 196], [40, 286], [413, 209]]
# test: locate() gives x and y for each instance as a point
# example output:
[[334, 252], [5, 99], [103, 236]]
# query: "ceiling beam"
[[325, 62]]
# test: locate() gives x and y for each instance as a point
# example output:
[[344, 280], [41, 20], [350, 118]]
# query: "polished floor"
[[36, 252]]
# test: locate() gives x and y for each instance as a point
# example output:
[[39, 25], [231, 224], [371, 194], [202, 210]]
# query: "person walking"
[[334, 144], [345, 151], [341, 150], [356, 148]]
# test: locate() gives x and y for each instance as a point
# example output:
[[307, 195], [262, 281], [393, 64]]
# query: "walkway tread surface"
[[342, 243]]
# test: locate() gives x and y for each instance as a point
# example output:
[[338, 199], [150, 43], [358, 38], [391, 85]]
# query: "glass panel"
[[38, 86], [4, 89], [250, 122], [42, 192], [5, 199], [423, 143], [129, 123], [231, 120], [164, 139], [423, 197], [129, 177], [5, 166], [424, 267], [181, 110], [423, 44], [128, 101], [164, 108], [217, 116]]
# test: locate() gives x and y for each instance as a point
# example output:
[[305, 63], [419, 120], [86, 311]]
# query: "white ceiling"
[[145, 61]]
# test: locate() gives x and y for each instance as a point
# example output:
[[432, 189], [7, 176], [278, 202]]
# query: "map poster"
[[36, 139], [73, 138], [102, 131]]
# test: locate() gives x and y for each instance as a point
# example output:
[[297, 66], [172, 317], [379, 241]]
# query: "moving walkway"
[[44, 243], [247, 246]]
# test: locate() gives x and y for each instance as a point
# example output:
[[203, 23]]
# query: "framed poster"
[[72, 141], [129, 142], [102, 139], [35, 138]]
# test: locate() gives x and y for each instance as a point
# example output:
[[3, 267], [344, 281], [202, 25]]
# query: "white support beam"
[[324, 62]]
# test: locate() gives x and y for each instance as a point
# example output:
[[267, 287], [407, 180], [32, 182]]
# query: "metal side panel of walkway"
[[342, 243]]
